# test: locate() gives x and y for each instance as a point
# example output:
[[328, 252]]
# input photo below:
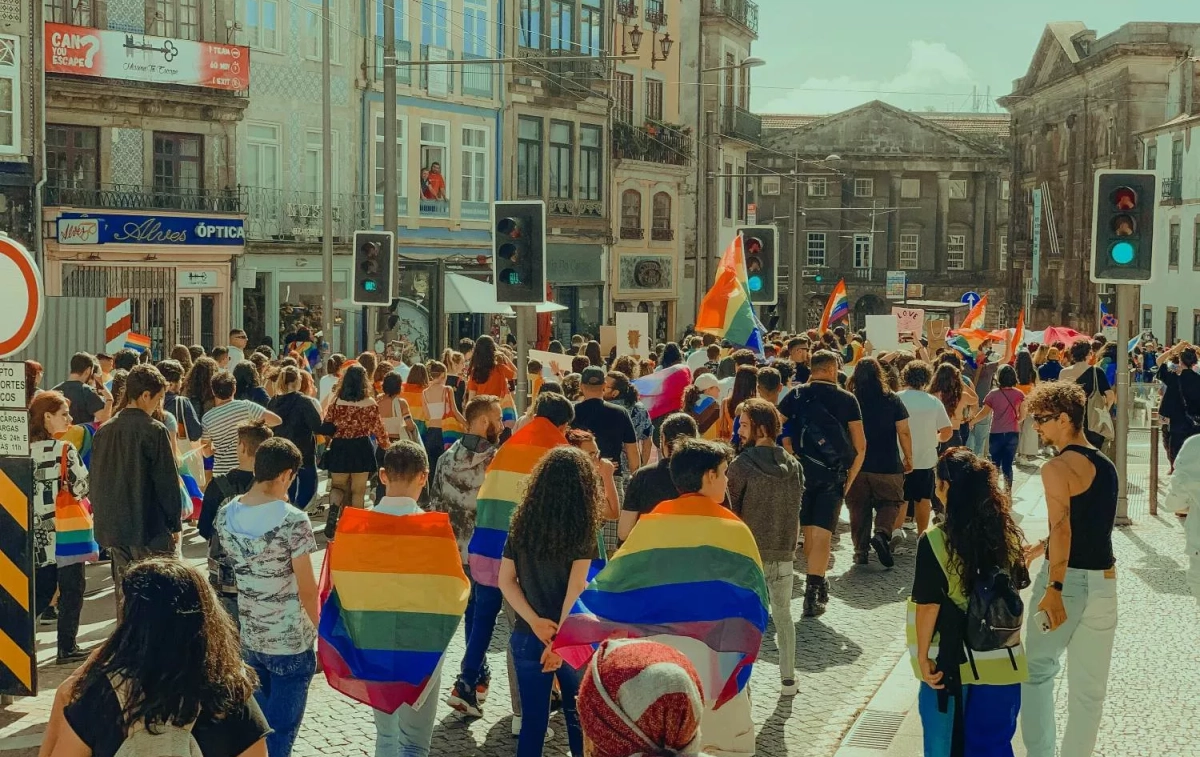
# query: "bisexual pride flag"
[[690, 576], [503, 486], [392, 594]]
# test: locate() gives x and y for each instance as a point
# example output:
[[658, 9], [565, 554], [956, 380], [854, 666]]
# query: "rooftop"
[[995, 125]]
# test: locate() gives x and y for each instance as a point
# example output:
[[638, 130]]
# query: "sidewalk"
[[1155, 643]]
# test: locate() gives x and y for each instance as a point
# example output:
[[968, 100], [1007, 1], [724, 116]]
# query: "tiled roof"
[[972, 124]]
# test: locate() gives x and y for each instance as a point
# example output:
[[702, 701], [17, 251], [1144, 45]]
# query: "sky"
[[825, 57]]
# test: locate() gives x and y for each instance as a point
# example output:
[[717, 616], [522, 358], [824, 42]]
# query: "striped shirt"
[[220, 428]]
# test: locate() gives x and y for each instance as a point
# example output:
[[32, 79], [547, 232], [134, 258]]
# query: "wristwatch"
[[1056, 585]]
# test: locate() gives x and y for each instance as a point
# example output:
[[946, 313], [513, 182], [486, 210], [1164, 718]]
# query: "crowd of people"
[[128, 454]]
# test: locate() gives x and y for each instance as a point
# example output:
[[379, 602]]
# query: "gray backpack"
[[166, 740]]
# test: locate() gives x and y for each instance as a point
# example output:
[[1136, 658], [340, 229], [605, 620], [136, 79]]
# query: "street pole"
[[1125, 296], [712, 234], [391, 202], [794, 276], [326, 177], [524, 314]]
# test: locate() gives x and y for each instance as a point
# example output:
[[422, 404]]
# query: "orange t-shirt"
[[497, 382]]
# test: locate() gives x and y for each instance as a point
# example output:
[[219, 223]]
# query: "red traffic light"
[[754, 245], [509, 227], [1124, 198]]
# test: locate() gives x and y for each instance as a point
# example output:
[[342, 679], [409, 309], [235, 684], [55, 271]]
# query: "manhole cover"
[[875, 730]]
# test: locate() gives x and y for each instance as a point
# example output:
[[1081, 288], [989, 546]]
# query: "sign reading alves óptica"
[[104, 228]]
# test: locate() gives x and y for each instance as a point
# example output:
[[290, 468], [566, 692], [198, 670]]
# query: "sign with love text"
[[909, 319]]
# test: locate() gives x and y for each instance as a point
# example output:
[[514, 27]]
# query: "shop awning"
[[467, 295]]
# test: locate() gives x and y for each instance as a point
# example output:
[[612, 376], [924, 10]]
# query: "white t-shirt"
[[235, 356], [926, 414], [325, 385]]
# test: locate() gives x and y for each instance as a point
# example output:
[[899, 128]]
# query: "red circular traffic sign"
[[21, 293]]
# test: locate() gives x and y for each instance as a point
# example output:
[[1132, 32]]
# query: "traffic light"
[[374, 267], [761, 244], [519, 252], [1123, 228]]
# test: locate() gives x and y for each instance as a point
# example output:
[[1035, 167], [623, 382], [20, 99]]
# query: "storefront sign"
[[574, 263], [196, 279], [94, 228], [137, 57]]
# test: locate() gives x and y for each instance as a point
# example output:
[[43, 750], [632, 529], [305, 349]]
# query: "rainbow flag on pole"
[[837, 308], [726, 310], [392, 594], [976, 317], [503, 486], [689, 576]]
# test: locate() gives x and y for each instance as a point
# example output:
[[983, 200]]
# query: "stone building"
[[20, 128], [1080, 107], [876, 189]]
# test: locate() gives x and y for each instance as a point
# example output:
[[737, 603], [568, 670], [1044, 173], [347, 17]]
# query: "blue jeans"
[[989, 720], [1090, 598], [483, 607], [535, 687], [1004, 451], [304, 487], [407, 732], [977, 439], [282, 694]]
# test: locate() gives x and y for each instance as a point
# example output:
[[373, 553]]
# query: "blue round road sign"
[[970, 299]]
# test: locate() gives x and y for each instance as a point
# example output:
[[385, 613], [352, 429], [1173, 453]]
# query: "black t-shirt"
[[610, 423], [543, 582], [801, 374], [85, 401], [879, 424], [1093, 380], [841, 404], [929, 580], [96, 717], [650, 487]]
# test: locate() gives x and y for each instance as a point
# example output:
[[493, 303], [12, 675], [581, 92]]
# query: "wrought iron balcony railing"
[[1172, 190], [136, 197], [742, 12], [740, 123], [654, 143], [286, 215]]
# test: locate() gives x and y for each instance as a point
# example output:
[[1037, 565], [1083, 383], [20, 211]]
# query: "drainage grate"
[[875, 730]]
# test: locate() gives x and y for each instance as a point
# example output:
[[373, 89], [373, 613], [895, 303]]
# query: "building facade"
[[876, 189], [1079, 108], [141, 196], [652, 154], [20, 129]]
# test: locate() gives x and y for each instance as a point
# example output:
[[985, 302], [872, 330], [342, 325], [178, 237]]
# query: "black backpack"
[[822, 439], [994, 613]]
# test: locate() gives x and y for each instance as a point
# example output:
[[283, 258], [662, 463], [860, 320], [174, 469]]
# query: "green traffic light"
[[755, 283], [1122, 253]]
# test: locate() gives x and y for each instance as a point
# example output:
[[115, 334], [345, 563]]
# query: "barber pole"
[[118, 322]]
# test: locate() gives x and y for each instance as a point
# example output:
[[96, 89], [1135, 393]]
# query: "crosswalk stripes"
[[18, 666]]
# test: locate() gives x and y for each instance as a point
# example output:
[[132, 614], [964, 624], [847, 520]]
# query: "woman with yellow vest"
[[969, 699]]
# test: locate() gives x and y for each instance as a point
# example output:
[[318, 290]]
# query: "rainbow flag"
[[690, 576], [662, 391], [837, 308], [192, 490], [508, 410], [75, 535], [1012, 342], [976, 317], [414, 395], [80, 437], [392, 594], [139, 342], [503, 486], [726, 310]]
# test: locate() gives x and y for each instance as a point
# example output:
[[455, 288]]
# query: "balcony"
[[579, 208], [286, 216], [662, 235], [653, 143], [1172, 191], [435, 208], [656, 13], [403, 52], [626, 9], [740, 123], [630, 232], [744, 13], [135, 197]]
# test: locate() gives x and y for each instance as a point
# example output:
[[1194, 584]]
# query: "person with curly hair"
[[957, 398], [551, 545]]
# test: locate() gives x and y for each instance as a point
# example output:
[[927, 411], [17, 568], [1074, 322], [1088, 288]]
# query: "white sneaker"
[[789, 688], [516, 728]]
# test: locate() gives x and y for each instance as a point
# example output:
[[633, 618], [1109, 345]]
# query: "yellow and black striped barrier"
[[18, 661]]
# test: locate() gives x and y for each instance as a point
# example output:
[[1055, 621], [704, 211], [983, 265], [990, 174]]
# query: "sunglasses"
[[1044, 419]]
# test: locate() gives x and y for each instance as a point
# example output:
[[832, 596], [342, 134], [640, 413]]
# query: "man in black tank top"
[[1076, 590]]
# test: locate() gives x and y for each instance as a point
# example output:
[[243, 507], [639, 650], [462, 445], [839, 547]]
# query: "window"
[[529, 157], [10, 95], [530, 33], [956, 252], [1196, 245], [741, 194], [1172, 327], [177, 19], [561, 157], [910, 189], [403, 74], [661, 215], [864, 187], [477, 78], [474, 164], [380, 157], [262, 156], [313, 34], [72, 156], [591, 157], [654, 99], [75, 12], [562, 24], [435, 145], [312, 161], [727, 91], [958, 189], [1003, 252], [1152, 158], [631, 210], [1005, 189], [623, 95], [816, 249], [1196, 327], [178, 164], [769, 186], [262, 24], [728, 187], [590, 28], [910, 247], [862, 250], [817, 186], [1147, 317], [435, 23], [1173, 247]]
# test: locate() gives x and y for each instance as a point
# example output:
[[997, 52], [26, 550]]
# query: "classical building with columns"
[[876, 189]]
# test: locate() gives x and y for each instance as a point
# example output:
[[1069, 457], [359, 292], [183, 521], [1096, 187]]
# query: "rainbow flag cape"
[[662, 391], [192, 489], [503, 486], [139, 342], [689, 576], [836, 308], [414, 395], [508, 410], [80, 437], [392, 594], [976, 317], [726, 310]]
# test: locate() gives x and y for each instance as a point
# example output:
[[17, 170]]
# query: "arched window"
[[631, 214], [660, 229]]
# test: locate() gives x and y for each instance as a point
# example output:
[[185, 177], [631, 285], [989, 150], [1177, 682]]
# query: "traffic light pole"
[[391, 202], [525, 313], [327, 318], [1125, 297]]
